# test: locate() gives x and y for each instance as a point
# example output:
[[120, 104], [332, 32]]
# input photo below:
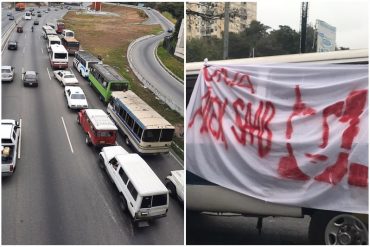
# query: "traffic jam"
[[142, 194]]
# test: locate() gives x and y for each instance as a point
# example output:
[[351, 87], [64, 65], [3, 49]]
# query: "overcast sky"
[[351, 18]]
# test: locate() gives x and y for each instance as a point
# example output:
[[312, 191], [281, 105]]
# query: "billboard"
[[326, 36]]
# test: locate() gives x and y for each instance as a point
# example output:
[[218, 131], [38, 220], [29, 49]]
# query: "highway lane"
[[143, 59], [56, 196]]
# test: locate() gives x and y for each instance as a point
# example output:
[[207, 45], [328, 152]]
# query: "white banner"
[[326, 36], [294, 134]]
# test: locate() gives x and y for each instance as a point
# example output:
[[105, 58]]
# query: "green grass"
[[169, 17], [171, 62]]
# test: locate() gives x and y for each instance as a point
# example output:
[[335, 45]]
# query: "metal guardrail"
[[170, 102]]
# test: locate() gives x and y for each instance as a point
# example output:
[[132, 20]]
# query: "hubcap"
[[345, 229]]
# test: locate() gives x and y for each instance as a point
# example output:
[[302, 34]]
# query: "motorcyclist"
[[32, 28]]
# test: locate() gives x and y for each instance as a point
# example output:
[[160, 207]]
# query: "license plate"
[[102, 142]]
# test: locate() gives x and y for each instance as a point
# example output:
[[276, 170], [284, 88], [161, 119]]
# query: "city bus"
[[71, 44], [83, 61], [53, 40], [106, 80], [58, 57], [143, 128], [203, 196]]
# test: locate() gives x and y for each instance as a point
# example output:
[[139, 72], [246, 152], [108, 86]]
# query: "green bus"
[[106, 80]]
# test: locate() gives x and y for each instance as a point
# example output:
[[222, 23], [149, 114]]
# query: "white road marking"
[[22, 73], [48, 72], [65, 128], [42, 51], [25, 35], [20, 138]]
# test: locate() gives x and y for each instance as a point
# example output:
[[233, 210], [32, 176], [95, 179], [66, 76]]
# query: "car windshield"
[[5, 70], [69, 76], [77, 96]]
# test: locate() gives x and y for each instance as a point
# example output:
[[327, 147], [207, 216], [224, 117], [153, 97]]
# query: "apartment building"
[[205, 19]]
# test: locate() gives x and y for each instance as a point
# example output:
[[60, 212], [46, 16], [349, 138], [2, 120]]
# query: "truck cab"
[[10, 132]]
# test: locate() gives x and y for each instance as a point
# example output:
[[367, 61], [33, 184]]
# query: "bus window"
[[151, 135], [60, 55], [167, 135]]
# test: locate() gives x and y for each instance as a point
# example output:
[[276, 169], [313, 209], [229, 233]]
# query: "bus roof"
[[58, 48], [109, 74], [100, 119], [53, 37], [141, 175], [50, 32], [347, 56], [141, 110], [87, 56]]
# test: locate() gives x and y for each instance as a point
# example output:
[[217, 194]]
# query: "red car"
[[99, 128]]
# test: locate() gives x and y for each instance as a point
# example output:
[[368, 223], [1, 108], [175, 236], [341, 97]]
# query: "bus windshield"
[[118, 86]]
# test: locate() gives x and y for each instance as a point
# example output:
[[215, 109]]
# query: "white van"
[[143, 194], [27, 15]]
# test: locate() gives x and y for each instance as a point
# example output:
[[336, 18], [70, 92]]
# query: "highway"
[[59, 194], [144, 61]]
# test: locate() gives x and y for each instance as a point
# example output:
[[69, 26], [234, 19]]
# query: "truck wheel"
[[87, 140], [123, 203], [171, 189], [334, 228]]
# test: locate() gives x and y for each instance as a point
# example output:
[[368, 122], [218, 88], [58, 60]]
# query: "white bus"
[[207, 197], [53, 40], [143, 128], [58, 57], [27, 15], [83, 61]]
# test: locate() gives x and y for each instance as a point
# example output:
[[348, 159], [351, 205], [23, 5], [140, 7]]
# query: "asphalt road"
[[239, 230], [147, 65], [57, 196]]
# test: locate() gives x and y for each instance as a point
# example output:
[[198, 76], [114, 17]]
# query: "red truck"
[[20, 6], [60, 27]]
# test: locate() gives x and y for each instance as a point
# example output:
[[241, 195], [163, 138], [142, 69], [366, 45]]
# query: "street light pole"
[[226, 31]]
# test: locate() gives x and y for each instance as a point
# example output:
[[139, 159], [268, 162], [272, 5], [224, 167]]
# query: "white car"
[[7, 73], [65, 77], [75, 98], [175, 184]]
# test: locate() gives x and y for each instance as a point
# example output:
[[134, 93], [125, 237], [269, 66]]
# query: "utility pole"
[[304, 14], [226, 30]]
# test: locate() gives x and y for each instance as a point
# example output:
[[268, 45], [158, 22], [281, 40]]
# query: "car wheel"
[[171, 189], [333, 228], [87, 140], [127, 141], [123, 203], [101, 162]]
